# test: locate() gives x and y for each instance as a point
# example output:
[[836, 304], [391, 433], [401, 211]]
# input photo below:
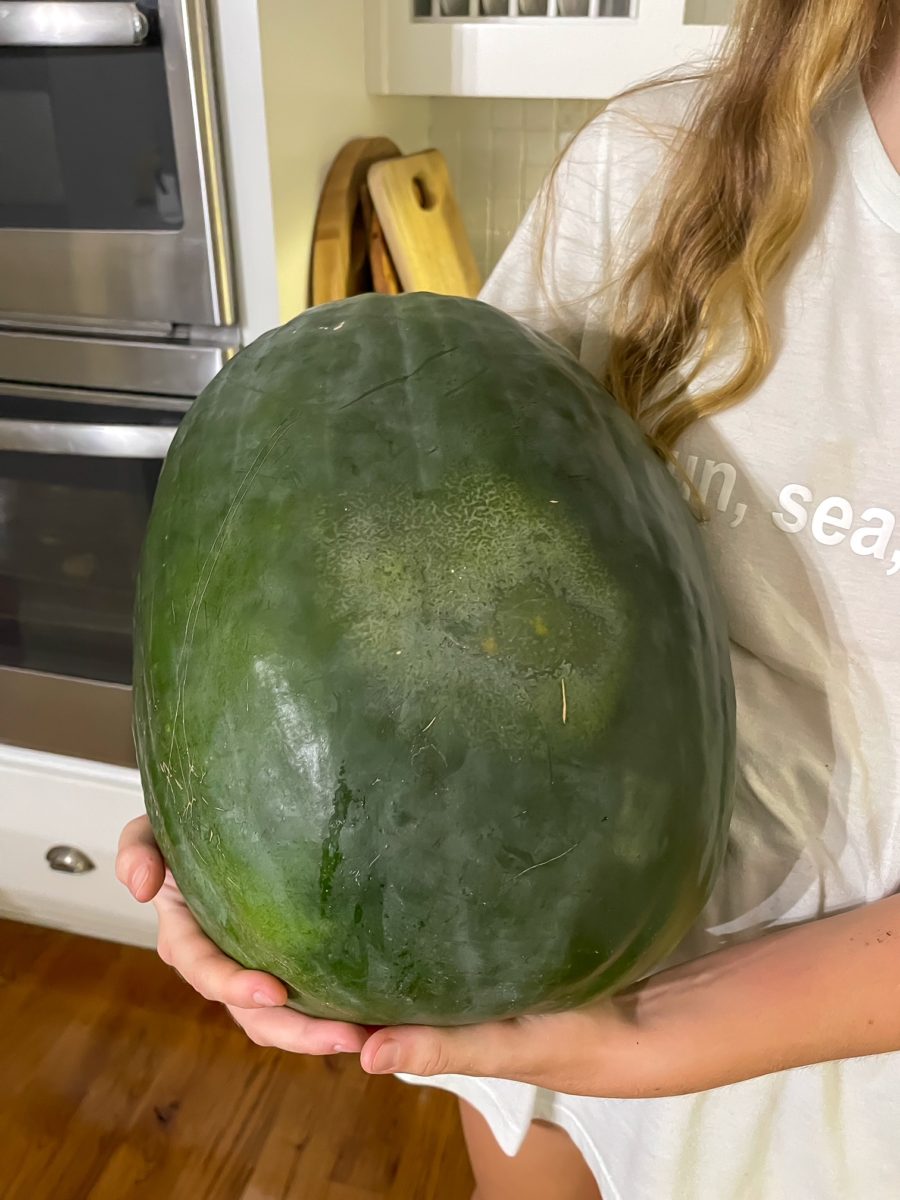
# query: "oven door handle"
[[71, 23], [86, 441]]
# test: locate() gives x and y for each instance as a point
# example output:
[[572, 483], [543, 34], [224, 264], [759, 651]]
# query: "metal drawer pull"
[[89, 441], [71, 23], [69, 860]]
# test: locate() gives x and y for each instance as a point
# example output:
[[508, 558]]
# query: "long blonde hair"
[[738, 189]]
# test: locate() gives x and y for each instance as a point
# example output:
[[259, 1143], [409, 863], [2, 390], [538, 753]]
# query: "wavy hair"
[[739, 186]]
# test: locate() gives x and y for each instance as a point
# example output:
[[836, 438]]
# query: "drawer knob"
[[69, 860]]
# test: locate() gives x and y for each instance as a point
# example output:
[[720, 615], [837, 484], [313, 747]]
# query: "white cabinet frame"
[[556, 57]]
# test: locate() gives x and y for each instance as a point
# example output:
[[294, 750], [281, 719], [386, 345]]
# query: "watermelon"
[[433, 702]]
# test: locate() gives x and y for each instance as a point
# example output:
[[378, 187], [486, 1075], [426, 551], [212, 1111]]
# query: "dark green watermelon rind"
[[447, 848]]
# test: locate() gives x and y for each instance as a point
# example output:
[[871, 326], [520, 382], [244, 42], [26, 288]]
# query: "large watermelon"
[[433, 703]]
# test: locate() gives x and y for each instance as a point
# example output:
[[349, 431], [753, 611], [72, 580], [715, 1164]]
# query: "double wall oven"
[[116, 309]]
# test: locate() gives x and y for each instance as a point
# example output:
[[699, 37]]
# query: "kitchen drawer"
[[47, 801]]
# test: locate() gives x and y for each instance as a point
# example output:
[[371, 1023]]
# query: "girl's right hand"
[[254, 1000]]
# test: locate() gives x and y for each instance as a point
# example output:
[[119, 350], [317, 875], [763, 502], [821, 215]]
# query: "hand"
[[799, 995], [254, 999], [595, 1051]]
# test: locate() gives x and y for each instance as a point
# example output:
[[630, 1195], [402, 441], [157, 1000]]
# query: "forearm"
[[822, 991]]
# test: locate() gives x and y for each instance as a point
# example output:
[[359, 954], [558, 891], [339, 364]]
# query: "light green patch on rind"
[[492, 591]]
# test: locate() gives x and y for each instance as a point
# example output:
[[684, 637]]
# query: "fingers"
[[579, 1052], [489, 1050], [254, 999], [298, 1034], [139, 864], [183, 945]]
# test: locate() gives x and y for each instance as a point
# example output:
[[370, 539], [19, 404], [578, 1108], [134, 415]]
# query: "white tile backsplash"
[[498, 152]]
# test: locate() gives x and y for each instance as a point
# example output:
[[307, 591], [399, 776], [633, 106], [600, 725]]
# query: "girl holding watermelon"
[[725, 253]]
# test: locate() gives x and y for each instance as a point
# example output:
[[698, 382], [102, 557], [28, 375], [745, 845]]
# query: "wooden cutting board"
[[340, 253], [423, 227], [381, 265]]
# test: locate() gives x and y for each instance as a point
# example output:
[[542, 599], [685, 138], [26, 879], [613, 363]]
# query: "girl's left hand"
[[825, 990], [594, 1051]]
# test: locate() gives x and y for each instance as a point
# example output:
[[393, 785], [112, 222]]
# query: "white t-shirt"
[[803, 480]]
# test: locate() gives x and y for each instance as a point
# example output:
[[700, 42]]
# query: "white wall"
[[293, 80], [314, 78], [709, 12], [498, 152], [712, 12]]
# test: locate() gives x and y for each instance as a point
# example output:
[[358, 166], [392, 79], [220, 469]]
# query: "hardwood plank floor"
[[119, 1083]]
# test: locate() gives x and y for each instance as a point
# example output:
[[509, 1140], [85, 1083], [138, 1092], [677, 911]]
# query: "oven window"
[[71, 528], [86, 139]]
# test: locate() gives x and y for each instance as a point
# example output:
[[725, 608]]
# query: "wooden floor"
[[118, 1083]]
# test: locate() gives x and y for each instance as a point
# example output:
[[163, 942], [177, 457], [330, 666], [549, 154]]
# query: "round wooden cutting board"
[[343, 234]]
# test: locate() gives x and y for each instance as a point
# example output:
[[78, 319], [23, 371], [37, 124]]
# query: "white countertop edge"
[[40, 762]]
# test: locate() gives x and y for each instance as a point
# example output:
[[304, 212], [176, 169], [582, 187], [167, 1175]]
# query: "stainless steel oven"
[[112, 205], [78, 471], [116, 309]]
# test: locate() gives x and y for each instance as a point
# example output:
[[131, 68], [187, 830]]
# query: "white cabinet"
[[533, 48], [49, 802]]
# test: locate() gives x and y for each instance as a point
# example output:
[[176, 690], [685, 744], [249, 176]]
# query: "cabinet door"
[[72, 811], [540, 48]]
